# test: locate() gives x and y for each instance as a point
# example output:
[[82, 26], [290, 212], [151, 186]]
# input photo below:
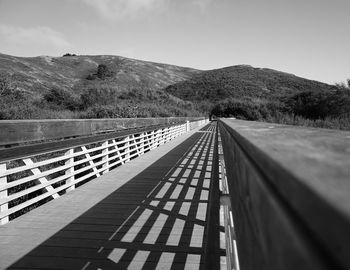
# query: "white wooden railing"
[[30, 181]]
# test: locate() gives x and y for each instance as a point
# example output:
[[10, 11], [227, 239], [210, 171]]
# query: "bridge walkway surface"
[[160, 211]]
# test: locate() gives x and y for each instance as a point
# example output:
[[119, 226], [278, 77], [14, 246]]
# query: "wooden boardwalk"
[[166, 217], [233, 194]]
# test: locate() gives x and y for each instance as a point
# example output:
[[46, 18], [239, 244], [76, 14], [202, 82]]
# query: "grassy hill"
[[72, 87], [113, 86], [263, 94], [39, 74], [243, 81]]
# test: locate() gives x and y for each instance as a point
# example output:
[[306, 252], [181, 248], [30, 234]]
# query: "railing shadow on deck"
[[162, 223]]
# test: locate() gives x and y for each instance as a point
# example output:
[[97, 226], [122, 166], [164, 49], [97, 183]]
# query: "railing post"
[[3, 194], [177, 131], [167, 134], [154, 138], [170, 134], [105, 156], [70, 170], [162, 132], [187, 126], [142, 144], [155, 142], [127, 148], [173, 132], [161, 136], [151, 143]]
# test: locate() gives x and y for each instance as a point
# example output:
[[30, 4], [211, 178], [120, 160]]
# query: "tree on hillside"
[[103, 71]]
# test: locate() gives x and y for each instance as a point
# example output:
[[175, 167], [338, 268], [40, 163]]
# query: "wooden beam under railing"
[[24, 131]]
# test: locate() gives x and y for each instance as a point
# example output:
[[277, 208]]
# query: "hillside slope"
[[114, 86], [263, 94], [89, 87], [243, 81], [39, 74]]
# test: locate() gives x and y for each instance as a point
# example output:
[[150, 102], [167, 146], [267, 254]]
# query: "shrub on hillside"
[[244, 109], [98, 96], [329, 109], [113, 111], [107, 111], [319, 105], [343, 85], [144, 94], [69, 54], [14, 104], [8, 87], [12, 110], [62, 99]]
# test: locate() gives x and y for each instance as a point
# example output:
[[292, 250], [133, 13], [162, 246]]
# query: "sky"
[[309, 38]]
